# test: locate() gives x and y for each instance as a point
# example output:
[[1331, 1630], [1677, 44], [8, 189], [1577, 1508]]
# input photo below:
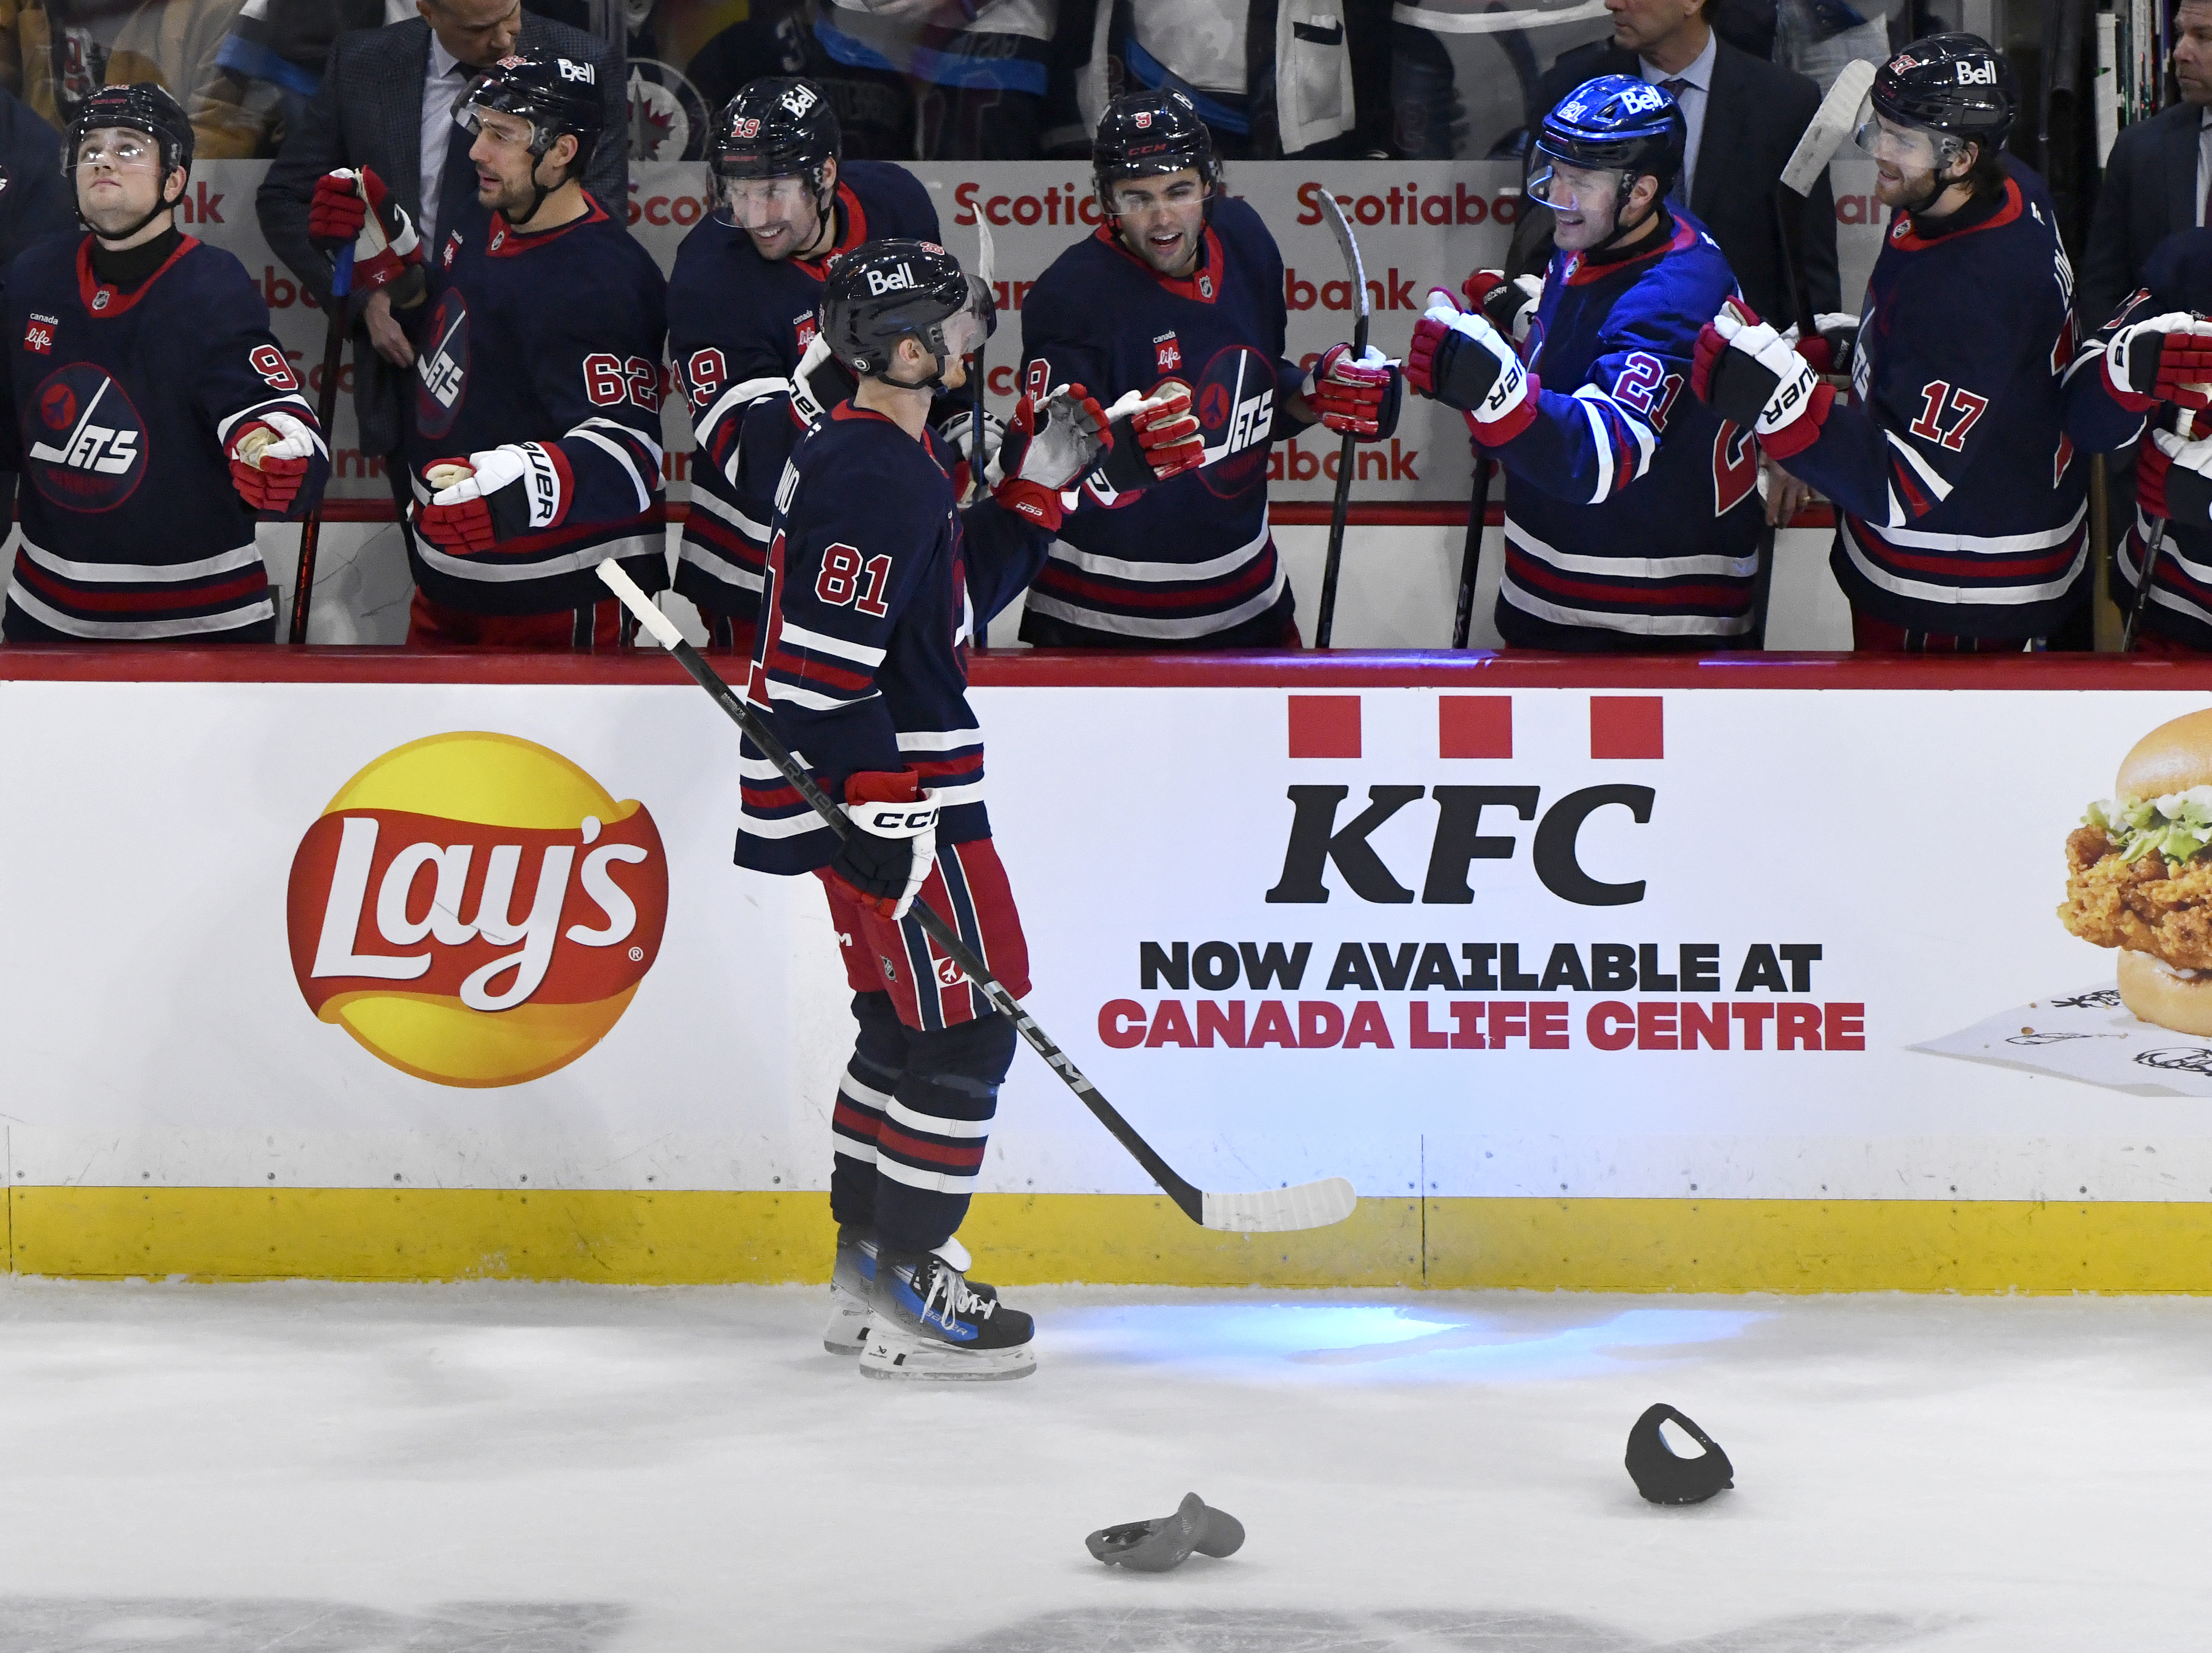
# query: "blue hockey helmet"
[[1617, 123]]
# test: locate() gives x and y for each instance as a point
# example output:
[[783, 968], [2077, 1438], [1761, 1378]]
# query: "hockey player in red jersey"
[[535, 437], [1181, 290], [155, 418], [1962, 505], [875, 583]]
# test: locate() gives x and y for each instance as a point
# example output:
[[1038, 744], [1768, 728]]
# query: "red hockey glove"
[[355, 206], [1047, 447], [1359, 398], [2166, 358], [1508, 306], [1155, 437], [1835, 336], [1459, 359], [1752, 376], [494, 495], [2184, 483], [269, 460], [886, 861]]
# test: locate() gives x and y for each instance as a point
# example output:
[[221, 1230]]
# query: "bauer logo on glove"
[[1459, 359], [1754, 377], [496, 495]]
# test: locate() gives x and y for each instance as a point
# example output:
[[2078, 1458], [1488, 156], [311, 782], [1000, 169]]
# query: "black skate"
[[853, 1278], [928, 1322]]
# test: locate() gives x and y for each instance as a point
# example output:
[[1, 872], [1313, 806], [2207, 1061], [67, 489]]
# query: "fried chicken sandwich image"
[[2139, 877]]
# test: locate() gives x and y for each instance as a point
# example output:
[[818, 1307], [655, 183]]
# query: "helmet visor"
[[745, 199], [121, 149], [1912, 149], [1563, 186], [964, 330], [470, 113]]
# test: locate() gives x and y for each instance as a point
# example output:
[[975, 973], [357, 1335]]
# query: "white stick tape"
[[662, 628]]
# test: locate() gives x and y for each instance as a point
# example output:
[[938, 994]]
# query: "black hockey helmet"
[[555, 94], [885, 291], [774, 127], [1664, 1478], [1145, 134], [143, 107], [1616, 123], [1954, 83]]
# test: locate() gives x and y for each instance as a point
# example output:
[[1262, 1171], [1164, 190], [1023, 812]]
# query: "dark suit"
[[367, 112], [2149, 193], [1755, 113]]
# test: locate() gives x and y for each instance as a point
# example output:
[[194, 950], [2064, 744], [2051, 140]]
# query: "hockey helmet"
[[555, 94], [1147, 134], [1616, 123], [774, 127], [888, 290], [142, 106], [1954, 83], [1664, 1477]]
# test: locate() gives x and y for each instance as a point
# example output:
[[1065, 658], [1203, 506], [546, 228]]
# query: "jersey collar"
[[1581, 272], [1201, 286], [503, 240], [100, 300], [855, 220], [1906, 238]]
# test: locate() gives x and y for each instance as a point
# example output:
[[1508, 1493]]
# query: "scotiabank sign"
[[476, 909]]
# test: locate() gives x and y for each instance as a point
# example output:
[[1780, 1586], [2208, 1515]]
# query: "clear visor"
[[121, 149], [743, 202], [965, 330], [1564, 187], [1911, 149], [506, 125]]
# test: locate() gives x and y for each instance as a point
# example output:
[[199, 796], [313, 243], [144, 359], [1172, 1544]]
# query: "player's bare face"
[[119, 178], [2192, 53], [779, 214], [505, 166], [1163, 219]]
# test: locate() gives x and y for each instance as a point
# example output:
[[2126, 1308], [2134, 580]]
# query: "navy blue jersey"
[[875, 583], [1630, 508], [1191, 557], [2178, 276], [554, 339], [737, 324], [1963, 510], [123, 404]]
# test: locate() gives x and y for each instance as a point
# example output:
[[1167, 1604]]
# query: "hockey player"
[[741, 311], [1631, 513], [155, 418], [2151, 366], [875, 583], [1182, 286], [535, 439], [1962, 510]]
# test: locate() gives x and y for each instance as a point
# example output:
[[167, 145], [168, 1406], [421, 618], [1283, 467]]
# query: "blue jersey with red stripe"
[[1631, 509], [1963, 510], [122, 404], [1191, 558], [553, 339], [875, 583], [737, 324]]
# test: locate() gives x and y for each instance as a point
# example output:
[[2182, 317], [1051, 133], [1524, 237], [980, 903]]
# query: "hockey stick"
[[1342, 230], [1832, 123], [1266, 1211], [987, 261], [1470, 561], [326, 409], [2185, 426]]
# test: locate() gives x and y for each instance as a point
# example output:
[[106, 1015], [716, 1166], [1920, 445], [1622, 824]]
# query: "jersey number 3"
[[845, 579]]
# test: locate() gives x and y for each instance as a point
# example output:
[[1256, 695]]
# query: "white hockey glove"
[[887, 859], [820, 381], [497, 494], [957, 432], [1508, 306], [1752, 376], [268, 461], [2165, 358], [1459, 359], [1049, 444], [2188, 493]]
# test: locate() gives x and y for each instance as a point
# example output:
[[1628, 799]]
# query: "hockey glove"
[[821, 381], [2184, 483], [958, 434], [1752, 376], [2167, 358], [356, 207], [886, 860], [1049, 444], [1154, 437], [1508, 306], [1835, 336], [1458, 358], [1355, 398], [269, 460], [497, 494]]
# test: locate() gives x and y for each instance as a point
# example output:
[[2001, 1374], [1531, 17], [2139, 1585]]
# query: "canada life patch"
[[805, 326], [39, 334], [1167, 354]]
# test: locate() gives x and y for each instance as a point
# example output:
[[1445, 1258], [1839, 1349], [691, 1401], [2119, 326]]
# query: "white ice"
[[311, 1469]]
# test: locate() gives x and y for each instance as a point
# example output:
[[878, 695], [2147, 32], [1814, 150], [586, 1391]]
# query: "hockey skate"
[[853, 1278], [928, 1324]]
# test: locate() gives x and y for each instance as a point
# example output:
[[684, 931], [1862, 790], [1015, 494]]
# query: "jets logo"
[[442, 372], [85, 443], [1235, 401]]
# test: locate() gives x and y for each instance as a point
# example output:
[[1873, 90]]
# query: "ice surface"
[[499, 1468]]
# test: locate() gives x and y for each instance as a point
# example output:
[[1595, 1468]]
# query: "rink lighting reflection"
[[1396, 1342]]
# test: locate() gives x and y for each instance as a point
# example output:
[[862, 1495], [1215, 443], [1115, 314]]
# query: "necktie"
[[1679, 194]]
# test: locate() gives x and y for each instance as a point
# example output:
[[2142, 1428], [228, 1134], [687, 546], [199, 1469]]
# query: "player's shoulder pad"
[[1241, 229], [896, 202], [221, 291], [57, 251]]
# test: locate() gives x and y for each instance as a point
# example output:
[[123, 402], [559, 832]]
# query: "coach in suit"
[[385, 102], [2157, 180], [1745, 117]]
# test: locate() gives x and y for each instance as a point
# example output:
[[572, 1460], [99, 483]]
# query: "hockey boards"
[[1266, 1211]]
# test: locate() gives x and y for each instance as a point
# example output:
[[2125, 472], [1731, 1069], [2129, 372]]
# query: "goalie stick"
[[1265, 1210]]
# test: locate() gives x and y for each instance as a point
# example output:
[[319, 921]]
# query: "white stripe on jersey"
[[899, 1114], [1130, 625], [786, 826], [1647, 445], [1926, 472], [1966, 596], [1650, 625], [1114, 567], [475, 568], [736, 400], [144, 574], [816, 702], [715, 505], [1915, 539], [717, 567], [596, 422], [296, 405], [624, 458], [1601, 439], [1633, 567], [124, 630], [817, 642], [939, 740]]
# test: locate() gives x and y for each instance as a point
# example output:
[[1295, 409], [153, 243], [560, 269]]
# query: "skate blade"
[[902, 1359], [848, 1330]]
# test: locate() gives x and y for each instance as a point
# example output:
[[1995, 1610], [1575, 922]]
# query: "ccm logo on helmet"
[[886, 280]]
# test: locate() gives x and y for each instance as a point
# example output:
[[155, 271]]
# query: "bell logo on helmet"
[[1644, 100], [798, 100], [1974, 74], [881, 281], [572, 70]]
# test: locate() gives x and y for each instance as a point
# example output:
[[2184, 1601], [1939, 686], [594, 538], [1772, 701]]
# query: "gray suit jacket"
[[2149, 193], [367, 112]]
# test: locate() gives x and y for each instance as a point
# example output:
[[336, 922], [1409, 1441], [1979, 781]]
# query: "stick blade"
[[1340, 227], [1281, 1211], [1835, 120]]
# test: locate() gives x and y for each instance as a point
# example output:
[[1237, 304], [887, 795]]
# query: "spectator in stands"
[[875, 107], [977, 72], [266, 68], [385, 103], [2157, 180], [54, 54], [37, 200]]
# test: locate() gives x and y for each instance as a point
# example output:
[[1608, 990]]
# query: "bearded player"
[[1180, 291], [876, 582], [155, 418], [534, 441]]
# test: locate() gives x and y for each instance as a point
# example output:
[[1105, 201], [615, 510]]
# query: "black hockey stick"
[[1345, 459], [1470, 560], [986, 267], [326, 409], [1268, 1211], [2185, 425]]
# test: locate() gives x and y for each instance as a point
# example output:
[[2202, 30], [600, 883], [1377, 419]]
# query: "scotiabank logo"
[[474, 910]]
